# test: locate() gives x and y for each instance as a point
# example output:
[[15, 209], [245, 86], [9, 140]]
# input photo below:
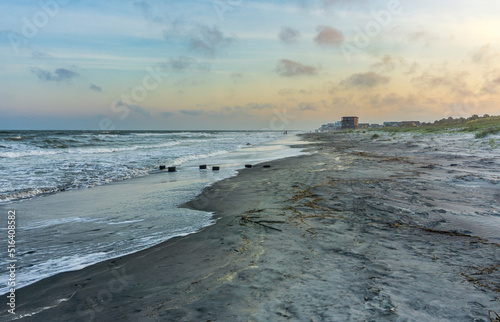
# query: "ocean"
[[82, 197]]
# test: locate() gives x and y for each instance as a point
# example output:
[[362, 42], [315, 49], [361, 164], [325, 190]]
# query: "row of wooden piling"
[[204, 167]]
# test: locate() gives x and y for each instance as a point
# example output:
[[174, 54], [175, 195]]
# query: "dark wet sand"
[[360, 230]]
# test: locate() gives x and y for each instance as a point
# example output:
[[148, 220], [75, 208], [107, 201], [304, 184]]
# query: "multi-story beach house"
[[350, 122]]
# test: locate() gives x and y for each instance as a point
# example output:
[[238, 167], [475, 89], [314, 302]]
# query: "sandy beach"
[[362, 229]]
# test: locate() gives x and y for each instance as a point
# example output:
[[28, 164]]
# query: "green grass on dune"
[[482, 126]]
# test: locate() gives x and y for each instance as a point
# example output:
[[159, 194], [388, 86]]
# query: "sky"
[[241, 64]]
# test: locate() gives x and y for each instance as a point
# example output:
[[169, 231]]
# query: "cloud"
[[166, 114], [288, 68], [289, 35], [40, 54], [455, 81], [146, 11], [209, 41], [366, 80], [412, 69], [328, 36], [255, 106], [140, 110], [329, 3], [96, 88], [307, 107], [134, 108], [287, 91], [484, 54], [181, 63], [174, 28], [490, 87], [386, 64], [144, 7], [422, 36], [393, 102], [291, 91], [192, 112], [59, 75]]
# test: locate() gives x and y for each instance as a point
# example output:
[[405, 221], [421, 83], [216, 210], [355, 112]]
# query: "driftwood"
[[495, 318], [246, 218]]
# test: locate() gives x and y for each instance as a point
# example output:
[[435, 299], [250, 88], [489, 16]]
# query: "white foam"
[[52, 267], [21, 154], [55, 222], [125, 222], [185, 159], [56, 303]]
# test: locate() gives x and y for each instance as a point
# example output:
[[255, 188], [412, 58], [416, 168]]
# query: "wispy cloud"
[[289, 68], [209, 41], [455, 81], [256, 106], [134, 108], [305, 106], [386, 64], [147, 12], [192, 112], [181, 63], [484, 54], [365, 80], [59, 75], [95, 88], [40, 54], [422, 36], [289, 35]]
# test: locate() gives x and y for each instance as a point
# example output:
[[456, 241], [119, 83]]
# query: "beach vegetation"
[[493, 144], [481, 126]]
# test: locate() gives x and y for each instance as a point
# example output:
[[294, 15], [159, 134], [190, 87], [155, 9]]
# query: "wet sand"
[[387, 229]]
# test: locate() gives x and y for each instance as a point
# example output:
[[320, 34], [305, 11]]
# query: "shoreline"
[[114, 219], [314, 237]]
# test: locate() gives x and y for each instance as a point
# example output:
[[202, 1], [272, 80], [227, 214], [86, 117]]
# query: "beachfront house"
[[393, 124], [350, 122], [330, 127], [363, 125]]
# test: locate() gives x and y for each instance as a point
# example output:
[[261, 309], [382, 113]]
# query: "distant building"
[[330, 127], [375, 126], [393, 124], [350, 122], [410, 123], [363, 125]]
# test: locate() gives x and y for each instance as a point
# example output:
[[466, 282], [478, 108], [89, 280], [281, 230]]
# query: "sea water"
[[82, 197]]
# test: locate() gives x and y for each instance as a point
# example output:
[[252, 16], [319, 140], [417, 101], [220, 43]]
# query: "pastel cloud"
[[365, 80], [328, 36], [289, 68]]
